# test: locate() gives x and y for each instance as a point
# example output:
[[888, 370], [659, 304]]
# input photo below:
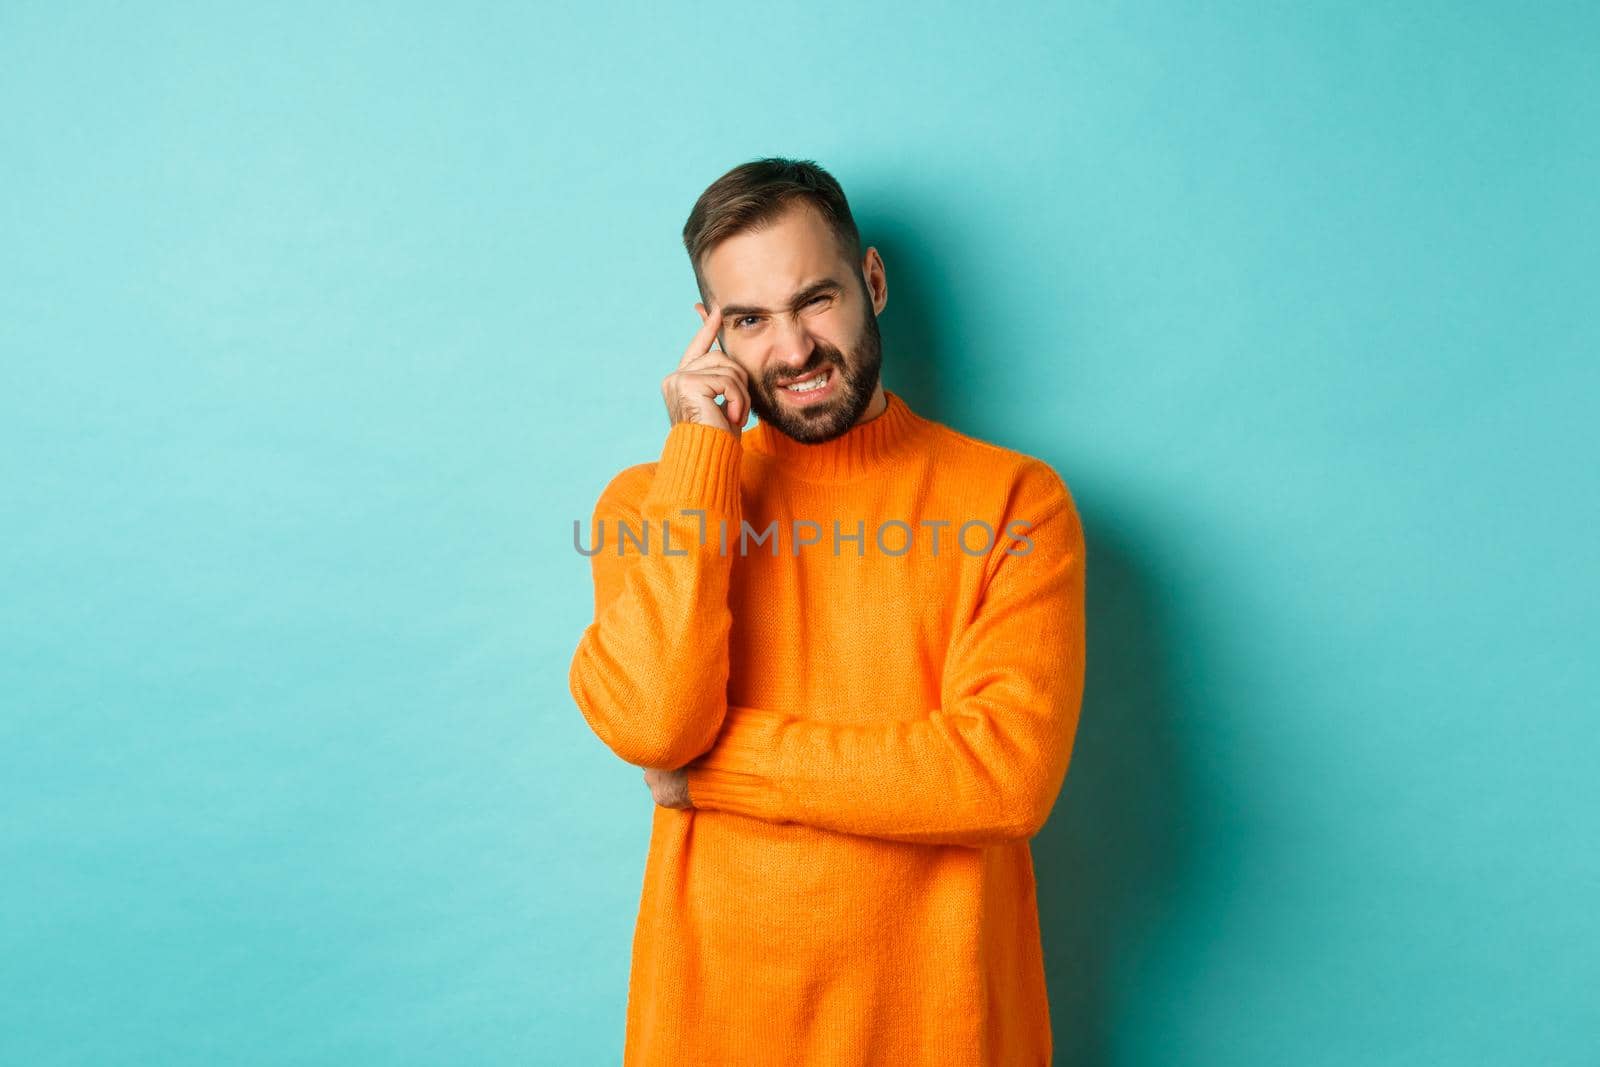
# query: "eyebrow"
[[816, 288]]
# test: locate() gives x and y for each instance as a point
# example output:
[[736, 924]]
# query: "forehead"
[[767, 265]]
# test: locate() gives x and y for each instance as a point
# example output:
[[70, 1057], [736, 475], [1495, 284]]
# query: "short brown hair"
[[756, 193]]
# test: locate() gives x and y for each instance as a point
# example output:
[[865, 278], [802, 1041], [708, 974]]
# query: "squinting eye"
[[739, 323]]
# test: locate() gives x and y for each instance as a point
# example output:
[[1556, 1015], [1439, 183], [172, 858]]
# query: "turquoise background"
[[321, 325]]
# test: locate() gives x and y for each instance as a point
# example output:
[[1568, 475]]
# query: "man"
[[847, 647]]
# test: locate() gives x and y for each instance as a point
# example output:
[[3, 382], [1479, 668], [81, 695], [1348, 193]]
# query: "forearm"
[[650, 672], [960, 778]]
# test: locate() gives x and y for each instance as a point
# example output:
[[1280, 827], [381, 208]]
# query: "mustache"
[[835, 360]]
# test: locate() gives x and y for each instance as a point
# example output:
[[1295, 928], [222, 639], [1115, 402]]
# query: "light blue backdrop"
[[322, 323]]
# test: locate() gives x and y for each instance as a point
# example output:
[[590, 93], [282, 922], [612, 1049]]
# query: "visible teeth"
[[805, 387]]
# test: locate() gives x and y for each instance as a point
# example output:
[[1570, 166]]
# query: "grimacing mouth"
[[825, 368]]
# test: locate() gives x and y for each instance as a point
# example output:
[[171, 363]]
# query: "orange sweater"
[[872, 736]]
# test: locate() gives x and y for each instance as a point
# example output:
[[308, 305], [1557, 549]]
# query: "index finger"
[[701, 343]]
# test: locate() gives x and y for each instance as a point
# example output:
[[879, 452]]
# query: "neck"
[[875, 406]]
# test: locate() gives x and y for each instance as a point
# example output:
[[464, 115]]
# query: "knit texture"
[[876, 706]]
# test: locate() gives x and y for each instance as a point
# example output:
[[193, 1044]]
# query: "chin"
[[822, 422]]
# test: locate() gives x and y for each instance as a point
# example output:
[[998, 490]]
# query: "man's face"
[[795, 309]]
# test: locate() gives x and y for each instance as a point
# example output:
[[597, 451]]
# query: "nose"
[[793, 350]]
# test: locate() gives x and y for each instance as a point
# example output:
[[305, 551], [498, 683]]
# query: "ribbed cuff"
[[699, 469], [741, 772]]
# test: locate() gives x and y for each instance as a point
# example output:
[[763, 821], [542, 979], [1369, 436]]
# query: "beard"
[[856, 377]]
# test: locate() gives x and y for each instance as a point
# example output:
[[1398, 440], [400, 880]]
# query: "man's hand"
[[705, 373], [670, 788]]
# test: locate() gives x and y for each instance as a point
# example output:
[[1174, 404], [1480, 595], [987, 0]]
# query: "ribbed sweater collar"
[[864, 448]]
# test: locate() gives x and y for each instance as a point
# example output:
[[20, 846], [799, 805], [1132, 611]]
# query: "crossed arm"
[[985, 767]]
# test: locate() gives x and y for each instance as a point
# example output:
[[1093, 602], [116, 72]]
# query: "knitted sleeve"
[[983, 768], [650, 673]]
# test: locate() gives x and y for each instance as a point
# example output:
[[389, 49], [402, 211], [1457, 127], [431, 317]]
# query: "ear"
[[872, 263]]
